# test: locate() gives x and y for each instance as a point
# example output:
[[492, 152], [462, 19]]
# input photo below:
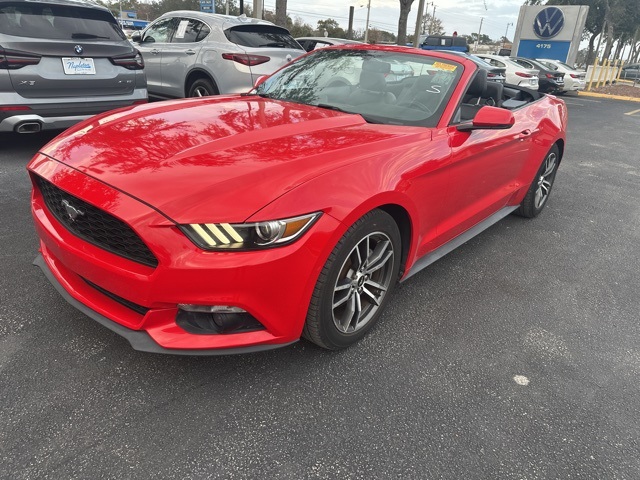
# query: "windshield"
[[58, 22], [384, 87], [549, 65], [259, 36]]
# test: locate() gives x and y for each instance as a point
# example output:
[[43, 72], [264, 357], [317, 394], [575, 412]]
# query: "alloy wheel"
[[364, 280], [545, 180]]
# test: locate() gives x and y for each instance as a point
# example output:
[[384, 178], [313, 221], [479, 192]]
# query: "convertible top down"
[[239, 223]]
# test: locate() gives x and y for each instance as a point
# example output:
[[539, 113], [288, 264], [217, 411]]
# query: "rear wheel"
[[355, 283], [202, 87], [540, 188]]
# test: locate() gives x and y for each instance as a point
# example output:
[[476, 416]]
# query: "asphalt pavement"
[[517, 356]]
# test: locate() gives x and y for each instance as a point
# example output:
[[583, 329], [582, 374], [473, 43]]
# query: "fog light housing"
[[215, 319]]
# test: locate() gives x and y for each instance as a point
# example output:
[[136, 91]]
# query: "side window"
[[321, 45], [160, 32], [203, 33], [188, 31]]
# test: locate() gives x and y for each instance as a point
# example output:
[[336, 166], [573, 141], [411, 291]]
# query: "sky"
[[462, 16]]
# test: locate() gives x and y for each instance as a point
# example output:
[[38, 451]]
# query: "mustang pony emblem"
[[72, 212]]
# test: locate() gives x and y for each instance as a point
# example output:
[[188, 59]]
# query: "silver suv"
[[62, 61], [192, 54]]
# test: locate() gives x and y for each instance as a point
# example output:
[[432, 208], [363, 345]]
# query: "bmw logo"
[[78, 49], [548, 23]]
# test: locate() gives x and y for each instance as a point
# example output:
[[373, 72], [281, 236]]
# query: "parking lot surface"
[[516, 356]]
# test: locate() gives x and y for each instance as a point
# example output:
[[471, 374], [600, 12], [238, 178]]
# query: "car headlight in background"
[[248, 236]]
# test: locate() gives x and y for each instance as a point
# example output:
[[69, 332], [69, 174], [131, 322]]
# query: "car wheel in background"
[[540, 188], [355, 283], [202, 87]]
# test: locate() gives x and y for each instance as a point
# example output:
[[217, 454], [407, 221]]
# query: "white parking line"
[[633, 112], [571, 103]]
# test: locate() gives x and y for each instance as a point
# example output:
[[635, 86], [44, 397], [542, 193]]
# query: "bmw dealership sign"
[[550, 32]]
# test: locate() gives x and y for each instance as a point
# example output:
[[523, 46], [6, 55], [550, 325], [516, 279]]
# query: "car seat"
[[373, 86]]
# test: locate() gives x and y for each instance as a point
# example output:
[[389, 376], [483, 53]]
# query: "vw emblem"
[[548, 22], [71, 211], [78, 49], [288, 57]]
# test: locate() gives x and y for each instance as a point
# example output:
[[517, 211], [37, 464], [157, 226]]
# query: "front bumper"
[[139, 340], [274, 286]]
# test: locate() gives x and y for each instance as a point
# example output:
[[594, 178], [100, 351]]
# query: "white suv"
[[193, 54], [62, 61]]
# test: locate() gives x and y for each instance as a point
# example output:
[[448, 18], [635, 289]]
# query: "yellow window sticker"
[[445, 66]]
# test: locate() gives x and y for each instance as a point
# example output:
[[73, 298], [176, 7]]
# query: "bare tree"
[[405, 8]]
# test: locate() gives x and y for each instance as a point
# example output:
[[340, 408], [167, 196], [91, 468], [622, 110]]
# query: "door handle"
[[155, 51], [190, 52], [525, 134]]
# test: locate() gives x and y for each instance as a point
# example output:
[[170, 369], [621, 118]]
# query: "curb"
[[604, 95]]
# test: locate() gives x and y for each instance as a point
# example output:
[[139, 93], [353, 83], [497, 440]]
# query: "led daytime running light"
[[248, 236]]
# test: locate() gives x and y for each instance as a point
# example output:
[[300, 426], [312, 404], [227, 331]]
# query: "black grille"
[[94, 225], [122, 301]]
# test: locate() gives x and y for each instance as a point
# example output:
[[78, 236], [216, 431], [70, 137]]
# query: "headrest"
[[494, 91], [373, 65], [478, 84]]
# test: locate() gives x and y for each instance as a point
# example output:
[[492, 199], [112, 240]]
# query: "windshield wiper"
[[251, 94], [87, 35], [367, 118], [333, 107]]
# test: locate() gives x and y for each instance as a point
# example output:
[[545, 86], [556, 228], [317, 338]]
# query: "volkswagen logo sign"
[[288, 57], [78, 49], [548, 23]]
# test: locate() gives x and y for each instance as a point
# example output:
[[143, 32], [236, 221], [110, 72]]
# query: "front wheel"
[[540, 188], [355, 283], [202, 87]]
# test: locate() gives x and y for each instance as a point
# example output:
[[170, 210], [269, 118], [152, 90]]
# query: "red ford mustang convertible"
[[241, 223]]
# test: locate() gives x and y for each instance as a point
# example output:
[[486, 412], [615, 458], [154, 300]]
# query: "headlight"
[[248, 236]]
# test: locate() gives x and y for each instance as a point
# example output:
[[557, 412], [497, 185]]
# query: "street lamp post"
[[366, 30], [505, 33]]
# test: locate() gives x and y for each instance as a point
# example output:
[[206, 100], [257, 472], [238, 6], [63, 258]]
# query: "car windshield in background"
[[261, 36], [57, 22], [356, 81]]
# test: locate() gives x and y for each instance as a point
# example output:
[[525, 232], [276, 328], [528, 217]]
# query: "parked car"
[[312, 43], [549, 80], [516, 74], [573, 79], [244, 222], [494, 74], [62, 61], [196, 54], [444, 42], [630, 72]]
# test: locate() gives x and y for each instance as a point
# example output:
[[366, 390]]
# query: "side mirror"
[[489, 118], [136, 37], [260, 80]]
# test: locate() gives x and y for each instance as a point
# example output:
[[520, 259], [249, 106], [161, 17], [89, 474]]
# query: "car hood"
[[220, 158]]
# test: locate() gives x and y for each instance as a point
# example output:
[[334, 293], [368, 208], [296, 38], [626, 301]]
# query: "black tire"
[[202, 87], [540, 188], [355, 281]]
